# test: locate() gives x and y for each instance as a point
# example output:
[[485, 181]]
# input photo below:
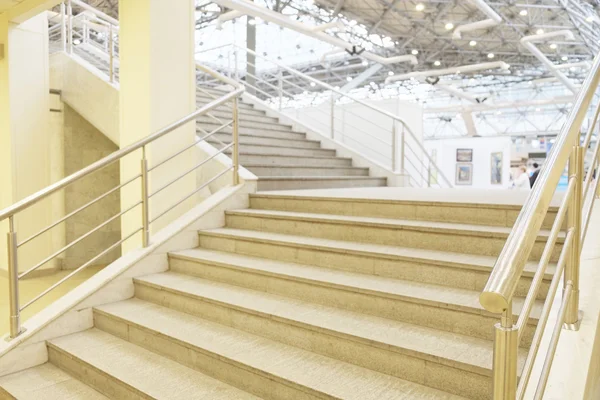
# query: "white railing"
[[379, 135], [83, 30]]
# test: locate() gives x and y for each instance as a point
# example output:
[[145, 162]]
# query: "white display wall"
[[445, 151]]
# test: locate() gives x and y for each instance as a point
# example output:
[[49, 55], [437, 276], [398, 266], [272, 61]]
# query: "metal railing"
[[576, 207], [16, 274], [379, 135], [83, 30]]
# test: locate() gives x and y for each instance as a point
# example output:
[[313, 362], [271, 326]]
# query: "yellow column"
[[24, 139], [157, 87]]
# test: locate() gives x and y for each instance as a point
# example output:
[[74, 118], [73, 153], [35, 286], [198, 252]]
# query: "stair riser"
[[287, 151], [202, 100], [248, 125], [283, 184], [226, 110], [287, 160], [431, 238], [226, 114], [490, 216], [261, 141], [86, 373], [265, 133], [465, 321], [299, 171], [241, 376], [397, 362], [451, 276]]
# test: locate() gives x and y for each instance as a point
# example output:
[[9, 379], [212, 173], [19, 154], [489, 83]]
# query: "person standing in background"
[[534, 175], [522, 181]]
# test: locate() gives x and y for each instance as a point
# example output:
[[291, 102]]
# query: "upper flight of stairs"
[[281, 158], [303, 297]]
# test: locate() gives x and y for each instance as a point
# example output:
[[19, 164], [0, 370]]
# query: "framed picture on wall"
[[464, 173], [496, 168], [464, 155]]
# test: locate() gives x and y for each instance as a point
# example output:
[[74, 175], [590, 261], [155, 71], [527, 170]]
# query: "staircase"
[[304, 296], [280, 157]]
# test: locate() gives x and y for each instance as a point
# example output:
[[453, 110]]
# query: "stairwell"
[[305, 295]]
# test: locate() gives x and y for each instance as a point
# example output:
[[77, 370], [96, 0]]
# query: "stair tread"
[[247, 165], [147, 372], [450, 227], [461, 260], [310, 157], [47, 382], [317, 178], [311, 370], [250, 135], [423, 293]]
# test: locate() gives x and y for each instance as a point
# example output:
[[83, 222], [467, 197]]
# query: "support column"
[[157, 88], [24, 139]]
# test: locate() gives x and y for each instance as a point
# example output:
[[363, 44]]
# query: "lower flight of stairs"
[[281, 158], [303, 297]]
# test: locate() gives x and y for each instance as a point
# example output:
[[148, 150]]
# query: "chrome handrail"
[[576, 205], [10, 212]]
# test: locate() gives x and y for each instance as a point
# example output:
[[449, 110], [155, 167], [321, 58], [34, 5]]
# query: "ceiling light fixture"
[[391, 73], [523, 13], [313, 84], [491, 55], [349, 78], [472, 43], [539, 32], [414, 52], [564, 58], [553, 46], [437, 63], [365, 63], [449, 26], [252, 21], [590, 18], [420, 7]]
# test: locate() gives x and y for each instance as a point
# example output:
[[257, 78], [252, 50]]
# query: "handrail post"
[[394, 146], [235, 67], [332, 106], [145, 201], [280, 89], [506, 339], [111, 54], [63, 26], [402, 150], [572, 318], [13, 280], [86, 30], [70, 26], [236, 143]]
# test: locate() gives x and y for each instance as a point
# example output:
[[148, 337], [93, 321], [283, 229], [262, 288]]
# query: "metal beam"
[[359, 80]]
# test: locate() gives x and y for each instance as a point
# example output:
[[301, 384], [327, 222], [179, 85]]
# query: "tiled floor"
[[29, 288]]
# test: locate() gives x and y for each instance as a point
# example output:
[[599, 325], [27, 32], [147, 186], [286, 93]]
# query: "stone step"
[[281, 150], [442, 308], [45, 382], [317, 182], [455, 212], [209, 127], [459, 238], [455, 270], [268, 368], [267, 140], [122, 370], [248, 126], [262, 170], [249, 158]]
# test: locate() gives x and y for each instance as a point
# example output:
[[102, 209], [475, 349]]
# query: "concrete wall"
[[445, 150], [83, 145]]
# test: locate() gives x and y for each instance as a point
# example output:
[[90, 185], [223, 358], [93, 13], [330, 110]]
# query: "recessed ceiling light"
[[365, 63], [564, 58], [437, 63], [553, 46], [252, 21], [491, 55], [472, 43], [391, 73], [313, 84], [539, 31], [349, 78], [590, 18], [523, 12], [498, 112], [449, 26], [420, 7], [414, 52]]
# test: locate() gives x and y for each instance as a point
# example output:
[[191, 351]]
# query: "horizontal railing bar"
[[193, 193], [503, 281], [36, 197], [78, 210], [558, 328], [84, 266], [78, 240], [545, 259], [203, 138], [541, 326], [327, 86], [195, 167]]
